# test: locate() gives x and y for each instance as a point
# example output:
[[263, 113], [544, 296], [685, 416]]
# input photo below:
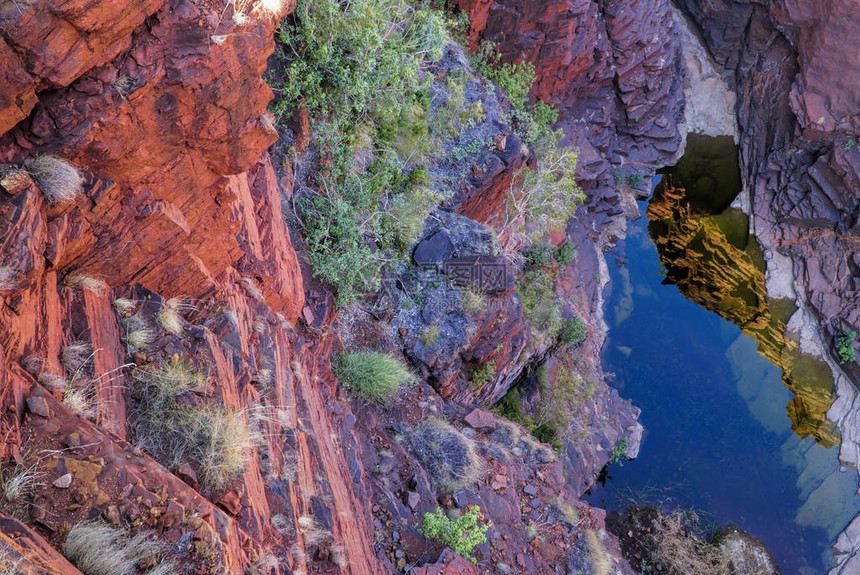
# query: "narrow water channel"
[[724, 433]]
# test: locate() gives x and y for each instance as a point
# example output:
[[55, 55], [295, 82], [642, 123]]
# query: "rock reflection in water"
[[706, 250]]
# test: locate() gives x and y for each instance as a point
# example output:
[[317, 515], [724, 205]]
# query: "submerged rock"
[[746, 554]]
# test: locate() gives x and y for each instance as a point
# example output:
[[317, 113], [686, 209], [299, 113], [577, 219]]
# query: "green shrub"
[[407, 212], [564, 254], [539, 255], [540, 306], [562, 399], [619, 452], [356, 57], [510, 407], [544, 199], [634, 180], [175, 426], [371, 375], [447, 455], [572, 331], [845, 347], [462, 535], [483, 375], [340, 220], [516, 79], [357, 67]]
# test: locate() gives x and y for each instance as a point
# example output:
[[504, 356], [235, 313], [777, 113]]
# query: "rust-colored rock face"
[[161, 105], [158, 127]]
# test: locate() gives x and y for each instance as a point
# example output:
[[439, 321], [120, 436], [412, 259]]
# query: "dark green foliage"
[[539, 255], [564, 254], [634, 180], [572, 331], [371, 375], [845, 347], [619, 452], [510, 407], [547, 434]]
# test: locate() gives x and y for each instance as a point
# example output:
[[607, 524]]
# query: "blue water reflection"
[[718, 436]]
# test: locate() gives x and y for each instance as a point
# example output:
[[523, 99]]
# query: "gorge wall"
[[798, 118], [162, 105]]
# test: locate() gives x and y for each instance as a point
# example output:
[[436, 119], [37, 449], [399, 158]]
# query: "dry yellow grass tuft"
[[81, 281], [59, 181], [97, 548]]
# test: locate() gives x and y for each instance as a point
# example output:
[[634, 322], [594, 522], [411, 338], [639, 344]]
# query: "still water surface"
[[718, 436]]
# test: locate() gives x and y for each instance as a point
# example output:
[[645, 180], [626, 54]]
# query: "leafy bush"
[[544, 199], [540, 306], [58, 179], [564, 254], [462, 535], [516, 79], [175, 426], [572, 331], [484, 374], [357, 57], [448, 456], [539, 254], [97, 548], [357, 66], [371, 375], [619, 452], [845, 347]]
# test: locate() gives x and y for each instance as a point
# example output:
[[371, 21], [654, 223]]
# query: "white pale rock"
[[63, 481]]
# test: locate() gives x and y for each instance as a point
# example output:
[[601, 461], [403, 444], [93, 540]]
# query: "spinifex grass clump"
[[58, 179], [176, 426], [371, 375], [448, 456], [97, 548]]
